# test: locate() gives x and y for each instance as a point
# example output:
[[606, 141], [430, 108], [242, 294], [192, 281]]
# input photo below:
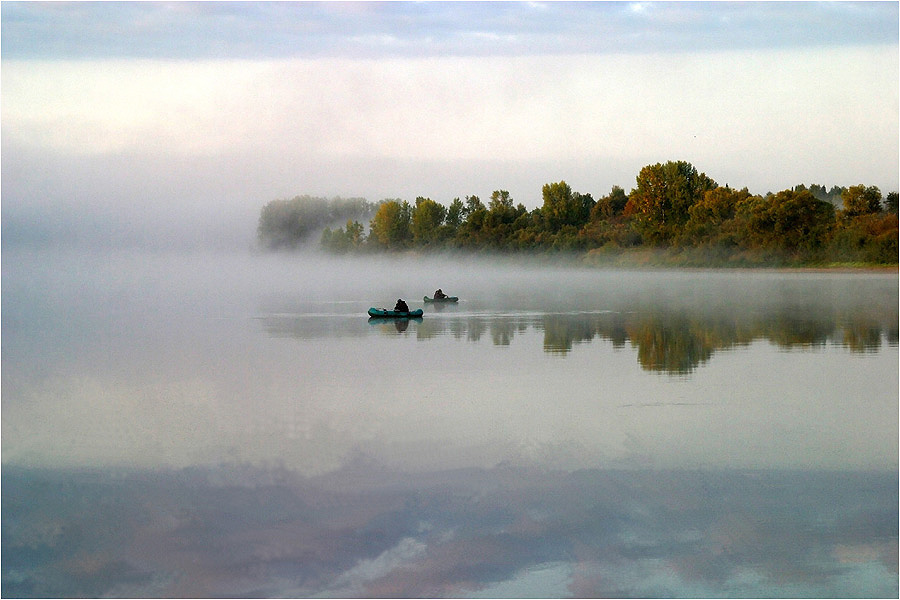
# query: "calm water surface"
[[208, 425]]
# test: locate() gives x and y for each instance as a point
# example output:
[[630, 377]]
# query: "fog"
[[156, 201], [258, 280], [129, 200], [160, 153], [176, 338]]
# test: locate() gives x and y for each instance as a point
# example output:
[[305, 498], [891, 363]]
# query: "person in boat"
[[439, 294], [401, 306]]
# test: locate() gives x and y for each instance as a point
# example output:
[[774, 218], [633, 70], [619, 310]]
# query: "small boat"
[[383, 313], [445, 299]]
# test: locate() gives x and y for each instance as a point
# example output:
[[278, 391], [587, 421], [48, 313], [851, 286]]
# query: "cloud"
[[353, 582], [706, 108], [203, 30], [99, 107], [118, 110]]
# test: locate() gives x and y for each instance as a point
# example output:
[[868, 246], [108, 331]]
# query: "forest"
[[674, 216]]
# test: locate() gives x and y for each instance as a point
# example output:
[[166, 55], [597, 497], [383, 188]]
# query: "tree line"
[[673, 211]]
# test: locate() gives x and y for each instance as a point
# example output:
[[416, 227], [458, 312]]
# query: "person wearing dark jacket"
[[401, 306], [439, 294]]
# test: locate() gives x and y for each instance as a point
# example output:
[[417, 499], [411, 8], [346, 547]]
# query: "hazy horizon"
[[159, 124]]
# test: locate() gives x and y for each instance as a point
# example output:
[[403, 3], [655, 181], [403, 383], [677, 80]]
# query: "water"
[[204, 425]]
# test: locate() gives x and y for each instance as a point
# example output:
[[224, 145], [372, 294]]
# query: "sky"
[[159, 123]]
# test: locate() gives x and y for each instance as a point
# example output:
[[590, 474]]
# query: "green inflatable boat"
[[447, 299], [383, 313]]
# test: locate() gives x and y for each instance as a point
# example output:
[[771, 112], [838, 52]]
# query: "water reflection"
[[505, 532], [674, 341], [398, 325], [188, 428]]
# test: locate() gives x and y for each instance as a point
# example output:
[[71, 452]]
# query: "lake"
[[202, 424]]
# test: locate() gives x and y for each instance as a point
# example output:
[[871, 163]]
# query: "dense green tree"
[[501, 210], [866, 238], [469, 233], [455, 213], [711, 218], [861, 200], [341, 240], [717, 205], [497, 226], [607, 226], [390, 227], [427, 217], [661, 202], [355, 234], [500, 201], [789, 220], [890, 202], [473, 204], [609, 206], [564, 207]]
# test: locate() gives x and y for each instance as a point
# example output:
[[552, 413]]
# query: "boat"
[[444, 299], [383, 313]]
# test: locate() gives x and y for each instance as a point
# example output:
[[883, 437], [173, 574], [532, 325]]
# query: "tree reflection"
[[862, 336], [475, 329], [673, 340], [562, 331], [502, 332], [669, 344], [678, 341], [788, 330]]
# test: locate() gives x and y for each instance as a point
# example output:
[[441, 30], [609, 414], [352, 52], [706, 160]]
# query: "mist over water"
[[562, 430], [557, 361]]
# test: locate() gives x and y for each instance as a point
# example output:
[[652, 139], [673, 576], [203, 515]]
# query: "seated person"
[[401, 306], [439, 294]]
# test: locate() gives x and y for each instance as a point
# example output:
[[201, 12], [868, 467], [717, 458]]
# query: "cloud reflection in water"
[[505, 532]]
